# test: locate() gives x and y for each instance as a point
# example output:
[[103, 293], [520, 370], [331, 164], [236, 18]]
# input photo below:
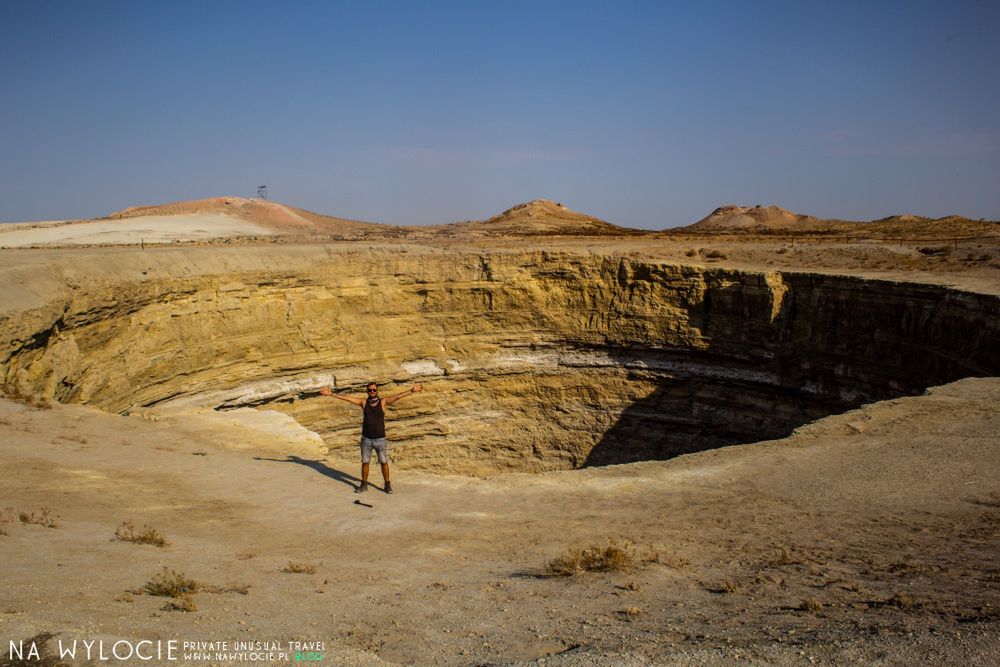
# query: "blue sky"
[[647, 114]]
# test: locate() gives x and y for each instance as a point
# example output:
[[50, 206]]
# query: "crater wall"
[[532, 361]]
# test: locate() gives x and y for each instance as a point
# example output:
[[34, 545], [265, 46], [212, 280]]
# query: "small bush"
[[44, 518], [13, 392], [299, 568], [127, 533], [182, 603], [614, 557], [691, 252], [902, 601], [810, 604], [715, 254], [171, 584]]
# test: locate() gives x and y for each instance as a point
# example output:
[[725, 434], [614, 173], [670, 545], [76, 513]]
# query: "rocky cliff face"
[[531, 361]]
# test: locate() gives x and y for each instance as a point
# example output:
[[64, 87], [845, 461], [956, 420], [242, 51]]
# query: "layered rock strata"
[[531, 361]]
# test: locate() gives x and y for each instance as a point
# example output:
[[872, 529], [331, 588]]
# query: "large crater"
[[531, 361]]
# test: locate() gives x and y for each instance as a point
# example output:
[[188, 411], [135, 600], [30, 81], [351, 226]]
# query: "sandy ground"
[[866, 537], [148, 229]]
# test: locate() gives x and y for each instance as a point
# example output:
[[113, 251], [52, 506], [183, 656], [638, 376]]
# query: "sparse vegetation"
[[43, 518], [691, 252], [15, 393], [183, 603], [128, 533], [616, 556], [169, 583], [247, 555], [715, 254], [810, 604], [727, 586], [299, 568], [242, 589], [901, 600]]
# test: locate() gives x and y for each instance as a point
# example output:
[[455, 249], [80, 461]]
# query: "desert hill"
[[539, 217], [769, 220], [279, 218], [758, 217]]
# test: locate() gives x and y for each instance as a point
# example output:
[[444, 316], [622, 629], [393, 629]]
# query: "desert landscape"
[[761, 437]]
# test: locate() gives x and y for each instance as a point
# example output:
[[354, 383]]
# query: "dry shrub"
[[7, 515], [902, 601], [44, 518], [715, 254], [617, 556], [784, 556], [811, 604], [183, 603], [299, 568], [13, 392], [246, 555], [691, 252], [727, 586], [242, 589], [128, 533], [171, 584]]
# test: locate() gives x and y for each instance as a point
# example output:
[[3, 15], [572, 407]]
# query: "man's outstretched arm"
[[395, 397], [326, 391]]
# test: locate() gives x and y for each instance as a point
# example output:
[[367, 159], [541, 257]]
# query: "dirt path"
[[872, 533]]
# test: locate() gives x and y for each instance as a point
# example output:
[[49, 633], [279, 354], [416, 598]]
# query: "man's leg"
[[382, 447], [366, 457]]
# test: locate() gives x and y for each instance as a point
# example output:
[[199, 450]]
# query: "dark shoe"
[[362, 488], [388, 487]]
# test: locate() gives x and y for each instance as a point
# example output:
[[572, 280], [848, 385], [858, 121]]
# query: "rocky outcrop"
[[531, 361]]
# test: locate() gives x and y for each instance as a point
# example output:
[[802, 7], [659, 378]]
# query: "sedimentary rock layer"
[[531, 361]]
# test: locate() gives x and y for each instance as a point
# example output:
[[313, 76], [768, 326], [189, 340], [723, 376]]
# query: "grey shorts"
[[380, 445]]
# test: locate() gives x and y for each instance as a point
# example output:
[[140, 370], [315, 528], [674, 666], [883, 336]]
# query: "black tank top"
[[374, 424]]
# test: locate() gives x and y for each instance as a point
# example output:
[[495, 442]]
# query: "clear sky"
[[646, 114]]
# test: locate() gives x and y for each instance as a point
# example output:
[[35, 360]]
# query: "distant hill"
[[769, 220], [753, 218], [539, 217], [278, 218]]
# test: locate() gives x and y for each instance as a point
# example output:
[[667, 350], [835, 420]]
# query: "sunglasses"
[[373, 391]]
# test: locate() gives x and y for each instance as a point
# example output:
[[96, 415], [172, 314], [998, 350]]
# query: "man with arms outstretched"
[[373, 429]]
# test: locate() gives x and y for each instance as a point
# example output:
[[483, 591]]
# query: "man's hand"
[[325, 391]]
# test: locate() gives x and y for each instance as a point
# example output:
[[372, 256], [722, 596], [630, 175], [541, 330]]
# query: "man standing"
[[373, 429]]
